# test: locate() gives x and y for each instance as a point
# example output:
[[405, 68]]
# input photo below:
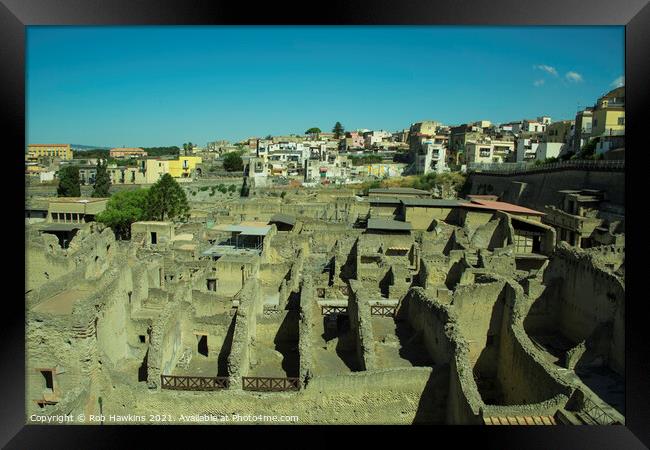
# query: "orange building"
[[127, 153]]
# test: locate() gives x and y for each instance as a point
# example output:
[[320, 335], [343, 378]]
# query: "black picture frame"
[[15, 15]]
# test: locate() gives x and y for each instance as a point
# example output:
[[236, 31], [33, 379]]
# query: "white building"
[[549, 150], [533, 126], [479, 152], [46, 176], [432, 157], [526, 149]]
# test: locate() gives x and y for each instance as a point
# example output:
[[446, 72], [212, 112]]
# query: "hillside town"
[[438, 274], [347, 157]]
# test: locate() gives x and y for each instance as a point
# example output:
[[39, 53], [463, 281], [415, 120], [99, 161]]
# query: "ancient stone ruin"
[[332, 308]]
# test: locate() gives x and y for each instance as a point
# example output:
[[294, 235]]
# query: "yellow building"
[[32, 168], [61, 151], [609, 114], [608, 122], [183, 166]]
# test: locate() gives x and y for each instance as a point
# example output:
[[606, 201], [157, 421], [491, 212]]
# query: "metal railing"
[[329, 309], [270, 384], [190, 383], [526, 167], [382, 310]]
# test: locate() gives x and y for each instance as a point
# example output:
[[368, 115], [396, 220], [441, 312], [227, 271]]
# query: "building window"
[[621, 120]]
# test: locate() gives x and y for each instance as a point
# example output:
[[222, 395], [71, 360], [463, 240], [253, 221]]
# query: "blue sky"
[[156, 86]]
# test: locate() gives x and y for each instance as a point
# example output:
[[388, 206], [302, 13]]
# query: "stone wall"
[[361, 325], [536, 190], [524, 375], [591, 297]]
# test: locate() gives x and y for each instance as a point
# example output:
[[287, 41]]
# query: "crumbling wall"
[[361, 326], [524, 375], [305, 326], [165, 346], [429, 318], [479, 311], [244, 332], [591, 297]]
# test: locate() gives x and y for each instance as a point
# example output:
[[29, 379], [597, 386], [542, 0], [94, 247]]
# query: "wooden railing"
[[596, 413], [329, 309], [269, 384], [383, 310], [188, 383]]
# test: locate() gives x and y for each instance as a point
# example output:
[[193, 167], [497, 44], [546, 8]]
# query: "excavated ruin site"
[[332, 308]]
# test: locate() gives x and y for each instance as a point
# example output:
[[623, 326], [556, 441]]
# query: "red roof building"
[[501, 206]]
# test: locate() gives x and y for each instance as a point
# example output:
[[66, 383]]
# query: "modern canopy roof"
[[388, 224], [283, 218], [244, 229], [432, 202], [398, 190], [501, 206]]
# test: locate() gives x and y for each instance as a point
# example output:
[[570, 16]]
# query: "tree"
[[69, 185], [338, 130], [166, 200], [188, 148], [233, 162], [314, 131], [102, 181], [124, 208]]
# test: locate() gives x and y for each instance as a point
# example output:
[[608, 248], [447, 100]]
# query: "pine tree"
[[338, 130], [102, 181], [69, 185], [167, 200]]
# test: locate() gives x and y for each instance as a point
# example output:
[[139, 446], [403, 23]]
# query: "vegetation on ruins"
[[124, 208], [102, 181], [588, 151], [167, 200], [448, 184], [338, 130], [69, 185], [233, 162]]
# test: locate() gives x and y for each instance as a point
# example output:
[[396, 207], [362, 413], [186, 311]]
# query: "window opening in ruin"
[[154, 238], [96, 319], [130, 294], [202, 346], [212, 284], [49, 379], [142, 338]]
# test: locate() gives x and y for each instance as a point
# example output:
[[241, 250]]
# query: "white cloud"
[[538, 82], [574, 77], [620, 81], [548, 69]]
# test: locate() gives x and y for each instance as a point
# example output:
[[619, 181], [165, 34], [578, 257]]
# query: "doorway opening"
[[202, 346], [49, 379]]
